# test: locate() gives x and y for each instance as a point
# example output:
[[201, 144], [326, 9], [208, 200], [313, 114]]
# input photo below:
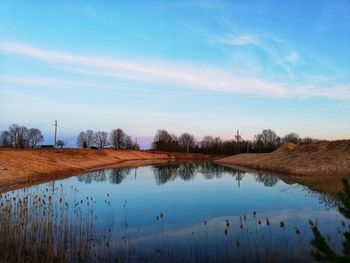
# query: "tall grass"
[[53, 224]]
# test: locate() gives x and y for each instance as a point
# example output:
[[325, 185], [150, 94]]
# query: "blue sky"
[[204, 67]]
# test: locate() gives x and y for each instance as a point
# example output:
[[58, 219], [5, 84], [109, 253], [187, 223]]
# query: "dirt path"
[[19, 167], [318, 165]]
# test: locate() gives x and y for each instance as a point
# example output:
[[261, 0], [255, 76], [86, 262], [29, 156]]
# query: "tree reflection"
[[98, 176], [266, 179], [211, 171], [118, 175], [114, 176], [169, 172], [164, 173], [188, 171]]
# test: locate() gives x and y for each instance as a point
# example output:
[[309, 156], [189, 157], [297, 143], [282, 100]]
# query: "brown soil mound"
[[320, 164], [27, 166]]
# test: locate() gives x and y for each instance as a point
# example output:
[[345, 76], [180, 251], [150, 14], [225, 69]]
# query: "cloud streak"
[[183, 75], [238, 40], [43, 82]]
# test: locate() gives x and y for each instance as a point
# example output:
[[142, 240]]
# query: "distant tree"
[[207, 144], [117, 138], [101, 139], [85, 139], [34, 137], [267, 141], [307, 140], [217, 145], [19, 135], [129, 143], [89, 137], [5, 139], [60, 143], [187, 142], [162, 141], [292, 138], [81, 140], [14, 130]]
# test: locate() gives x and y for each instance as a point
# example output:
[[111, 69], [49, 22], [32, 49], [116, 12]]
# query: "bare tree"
[[307, 140], [217, 144], [117, 138], [207, 142], [163, 141], [267, 140], [292, 138], [85, 139], [60, 143], [5, 139], [101, 139], [19, 135], [187, 142], [34, 137], [89, 137], [14, 129], [81, 140], [129, 144]]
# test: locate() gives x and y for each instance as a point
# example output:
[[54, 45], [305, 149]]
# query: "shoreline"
[[319, 166], [24, 167]]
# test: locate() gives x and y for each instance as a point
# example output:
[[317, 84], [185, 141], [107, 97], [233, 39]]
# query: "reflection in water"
[[266, 179], [118, 175], [98, 176], [167, 213], [164, 173], [114, 176], [188, 171]]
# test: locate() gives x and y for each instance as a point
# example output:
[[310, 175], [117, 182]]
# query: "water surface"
[[169, 212]]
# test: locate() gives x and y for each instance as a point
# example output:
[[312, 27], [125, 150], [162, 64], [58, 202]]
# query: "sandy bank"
[[26, 166], [319, 165]]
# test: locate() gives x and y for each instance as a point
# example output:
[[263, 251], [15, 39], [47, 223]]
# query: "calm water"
[[166, 213]]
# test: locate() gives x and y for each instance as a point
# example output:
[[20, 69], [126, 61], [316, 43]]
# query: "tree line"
[[117, 138], [19, 136], [266, 141]]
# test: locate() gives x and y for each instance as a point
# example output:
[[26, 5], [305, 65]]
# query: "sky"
[[203, 67]]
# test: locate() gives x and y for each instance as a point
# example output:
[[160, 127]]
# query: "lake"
[[176, 212]]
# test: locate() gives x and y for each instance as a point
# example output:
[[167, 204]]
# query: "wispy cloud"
[[292, 57], [279, 52], [183, 75], [43, 82], [238, 40]]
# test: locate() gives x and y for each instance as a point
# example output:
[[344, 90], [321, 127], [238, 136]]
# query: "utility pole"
[[135, 144], [188, 147], [55, 133], [237, 141]]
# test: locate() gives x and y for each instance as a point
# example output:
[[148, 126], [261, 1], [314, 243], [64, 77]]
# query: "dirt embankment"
[[26, 166], [319, 165]]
